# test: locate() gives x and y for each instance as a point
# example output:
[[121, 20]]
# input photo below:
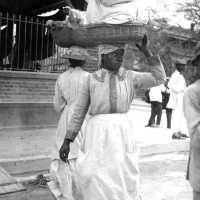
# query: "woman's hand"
[[143, 47], [64, 150], [74, 17]]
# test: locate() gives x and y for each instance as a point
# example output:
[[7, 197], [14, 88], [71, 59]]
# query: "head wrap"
[[106, 49], [77, 53]]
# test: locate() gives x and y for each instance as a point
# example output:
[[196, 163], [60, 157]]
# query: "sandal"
[[177, 136], [183, 135]]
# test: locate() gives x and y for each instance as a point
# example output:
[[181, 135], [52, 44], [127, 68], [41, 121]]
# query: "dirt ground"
[[162, 178]]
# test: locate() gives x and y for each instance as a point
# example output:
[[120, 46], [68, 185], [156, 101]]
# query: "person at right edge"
[[107, 165], [191, 106]]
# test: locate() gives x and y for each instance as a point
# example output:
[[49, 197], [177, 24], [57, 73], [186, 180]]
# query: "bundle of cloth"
[[107, 11]]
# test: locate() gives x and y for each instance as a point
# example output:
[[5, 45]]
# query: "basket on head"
[[96, 34]]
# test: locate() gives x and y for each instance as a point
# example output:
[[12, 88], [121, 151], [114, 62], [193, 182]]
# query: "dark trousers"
[[196, 195], [169, 117], [156, 111]]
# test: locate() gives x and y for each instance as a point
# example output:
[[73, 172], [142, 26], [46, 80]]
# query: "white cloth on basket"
[[117, 14]]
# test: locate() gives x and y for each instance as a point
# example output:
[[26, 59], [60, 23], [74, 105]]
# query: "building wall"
[[26, 99], [20, 87]]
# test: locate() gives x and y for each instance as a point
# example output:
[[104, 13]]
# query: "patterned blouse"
[[106, 92]]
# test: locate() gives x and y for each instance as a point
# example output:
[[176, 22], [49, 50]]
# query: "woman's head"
[[112, 60], [193, 71], [180, 67], [77, 56], [76, 63]]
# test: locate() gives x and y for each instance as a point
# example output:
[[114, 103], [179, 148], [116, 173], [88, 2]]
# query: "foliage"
[[191, 10]]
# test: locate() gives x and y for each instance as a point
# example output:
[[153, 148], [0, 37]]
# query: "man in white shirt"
[[177, 86], [155, 95]]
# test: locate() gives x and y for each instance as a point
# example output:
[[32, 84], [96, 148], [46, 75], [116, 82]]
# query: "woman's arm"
[[156, 76], [79, 111], [76, 120], [58, 100]]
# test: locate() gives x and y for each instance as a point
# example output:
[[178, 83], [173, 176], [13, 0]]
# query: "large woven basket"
[[93, 35]]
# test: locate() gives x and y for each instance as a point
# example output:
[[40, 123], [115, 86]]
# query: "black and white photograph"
[[99, 100]]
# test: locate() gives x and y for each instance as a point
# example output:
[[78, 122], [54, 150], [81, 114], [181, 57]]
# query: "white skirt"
[[107, 165]]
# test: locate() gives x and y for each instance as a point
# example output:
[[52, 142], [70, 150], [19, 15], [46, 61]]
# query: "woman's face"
[[180, 67], [113, 60], [193, 70], [192, 73]]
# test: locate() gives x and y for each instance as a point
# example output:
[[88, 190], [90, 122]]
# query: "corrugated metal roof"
[[26, 7], [181, 33]]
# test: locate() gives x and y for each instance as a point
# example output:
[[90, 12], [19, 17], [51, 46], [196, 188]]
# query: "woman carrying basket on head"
[[107, 165]]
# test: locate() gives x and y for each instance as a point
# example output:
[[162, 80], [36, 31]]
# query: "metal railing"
[[27, 45]]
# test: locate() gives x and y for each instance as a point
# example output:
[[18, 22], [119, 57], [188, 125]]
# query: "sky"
[[167, 9]]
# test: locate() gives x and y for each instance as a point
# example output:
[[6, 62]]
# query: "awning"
[[33, 7]]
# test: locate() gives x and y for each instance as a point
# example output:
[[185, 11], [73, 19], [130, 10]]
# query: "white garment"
[[177, 85], [178, 118], [116, 14], [107, 166], [67, 88], [155, 93]]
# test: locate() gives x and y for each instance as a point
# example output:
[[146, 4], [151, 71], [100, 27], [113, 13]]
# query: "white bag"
[[113, 2], [61, 186]]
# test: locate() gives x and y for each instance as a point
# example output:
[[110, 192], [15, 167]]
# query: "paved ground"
[[162, 175], [17, 144], [163, 178]]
